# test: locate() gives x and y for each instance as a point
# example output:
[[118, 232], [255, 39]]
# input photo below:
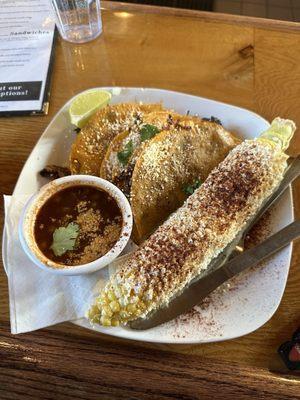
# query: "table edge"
[[207, 16]]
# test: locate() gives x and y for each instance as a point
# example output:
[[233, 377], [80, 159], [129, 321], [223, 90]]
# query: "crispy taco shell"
[[170, 162], [91, 143], [119, 173]]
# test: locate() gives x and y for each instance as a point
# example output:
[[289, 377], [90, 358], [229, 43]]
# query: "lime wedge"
[[86, 104]]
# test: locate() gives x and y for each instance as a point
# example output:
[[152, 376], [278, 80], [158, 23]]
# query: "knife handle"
[[265, 249]]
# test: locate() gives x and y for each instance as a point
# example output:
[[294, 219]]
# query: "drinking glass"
[[78, 21]]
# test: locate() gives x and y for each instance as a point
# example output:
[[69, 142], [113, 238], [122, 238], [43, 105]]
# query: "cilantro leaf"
[[148, 131], [64, 238], [124, 155], [189, 189]]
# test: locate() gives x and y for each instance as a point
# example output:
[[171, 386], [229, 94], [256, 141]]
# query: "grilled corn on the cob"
[[197, 232]]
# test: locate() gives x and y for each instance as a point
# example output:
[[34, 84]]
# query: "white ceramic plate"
[[253, 297]]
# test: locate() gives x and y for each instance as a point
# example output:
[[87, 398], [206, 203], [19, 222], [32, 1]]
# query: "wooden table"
[[249, 62]]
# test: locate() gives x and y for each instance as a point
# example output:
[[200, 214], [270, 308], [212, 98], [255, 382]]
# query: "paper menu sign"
[[26, 41]]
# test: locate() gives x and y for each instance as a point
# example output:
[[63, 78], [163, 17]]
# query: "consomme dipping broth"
[[77, 225]]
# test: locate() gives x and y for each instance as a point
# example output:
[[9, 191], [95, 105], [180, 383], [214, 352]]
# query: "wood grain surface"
[[58, 365], [249, 63]]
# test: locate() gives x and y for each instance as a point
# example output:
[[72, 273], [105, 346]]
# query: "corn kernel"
[[102, 296], [141, 305], [107, 311], [111, 296], [95, 319], [101, 301], [118, 291], [124, 314], [93, 310], [115, 322], [122, 301], [131, 308], [105, 321], [114, 306]]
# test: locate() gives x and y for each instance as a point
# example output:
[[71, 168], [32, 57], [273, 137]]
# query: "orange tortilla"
[[168, 163], [91, 143]]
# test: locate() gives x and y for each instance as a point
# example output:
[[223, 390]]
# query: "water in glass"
[[78, 21]]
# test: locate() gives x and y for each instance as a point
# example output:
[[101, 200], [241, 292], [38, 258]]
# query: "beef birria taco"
[[170, 167], [91, 143], [120, 158]]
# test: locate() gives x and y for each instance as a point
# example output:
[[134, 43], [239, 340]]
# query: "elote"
[[183, 247]]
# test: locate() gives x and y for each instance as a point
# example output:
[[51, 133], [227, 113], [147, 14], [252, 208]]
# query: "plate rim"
[[78, 322]]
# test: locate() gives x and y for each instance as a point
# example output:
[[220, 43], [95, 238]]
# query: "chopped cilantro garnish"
[[124, 155], [148, 131], [64, 238], [189, 189]]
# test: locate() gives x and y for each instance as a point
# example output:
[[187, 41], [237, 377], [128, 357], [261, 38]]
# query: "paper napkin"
[[38, 298]]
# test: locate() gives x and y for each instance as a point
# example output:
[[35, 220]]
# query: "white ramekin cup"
[[27, 221]]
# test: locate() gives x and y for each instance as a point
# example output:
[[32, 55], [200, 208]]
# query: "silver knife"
[[291, 173], [237, 245], [202, 287]]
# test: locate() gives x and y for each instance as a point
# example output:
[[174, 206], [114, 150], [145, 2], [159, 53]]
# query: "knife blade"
[[202, 287], [291, 173], [235, 247]]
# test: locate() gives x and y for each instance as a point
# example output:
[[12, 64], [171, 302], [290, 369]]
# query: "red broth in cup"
[[77, 225]]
